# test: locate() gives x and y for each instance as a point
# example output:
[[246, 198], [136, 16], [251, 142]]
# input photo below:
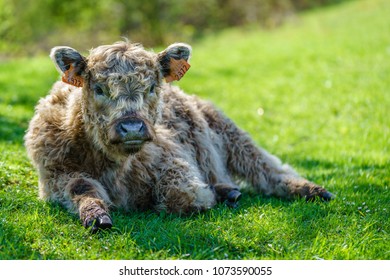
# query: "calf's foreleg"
[[82, 195]]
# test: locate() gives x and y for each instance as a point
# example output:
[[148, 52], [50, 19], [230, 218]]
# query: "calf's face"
[[121, 85]]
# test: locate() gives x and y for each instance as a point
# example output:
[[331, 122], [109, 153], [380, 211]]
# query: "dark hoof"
[[327, 196], [324, 197], [104, 222], [232, 198], [101, 222]]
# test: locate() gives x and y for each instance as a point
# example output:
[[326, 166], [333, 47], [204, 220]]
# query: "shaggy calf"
[[113, 134]]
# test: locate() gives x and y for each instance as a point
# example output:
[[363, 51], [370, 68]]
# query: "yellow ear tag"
[[70, 77], [178, 69]]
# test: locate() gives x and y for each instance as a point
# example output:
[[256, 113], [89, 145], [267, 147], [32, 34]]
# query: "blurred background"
[[32, 27], [309, 80]]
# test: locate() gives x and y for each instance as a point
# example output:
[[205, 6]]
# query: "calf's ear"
[[70, 63], [174, 61]]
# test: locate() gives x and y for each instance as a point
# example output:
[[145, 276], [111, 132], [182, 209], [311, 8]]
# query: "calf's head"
[[121, 85]]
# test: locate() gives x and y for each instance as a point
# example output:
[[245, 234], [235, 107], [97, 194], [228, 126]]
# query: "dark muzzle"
[[130, 132]]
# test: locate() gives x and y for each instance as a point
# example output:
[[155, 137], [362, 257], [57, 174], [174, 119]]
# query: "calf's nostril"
[[122, 129]]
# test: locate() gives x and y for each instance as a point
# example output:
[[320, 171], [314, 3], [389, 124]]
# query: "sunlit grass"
[[315, 93]]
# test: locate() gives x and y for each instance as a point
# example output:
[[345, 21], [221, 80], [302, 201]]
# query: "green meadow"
[[315, 92]]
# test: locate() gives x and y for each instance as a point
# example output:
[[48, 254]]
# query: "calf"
[[112, 134]]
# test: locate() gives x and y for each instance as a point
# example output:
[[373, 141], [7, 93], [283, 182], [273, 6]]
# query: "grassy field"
[[315, 92]]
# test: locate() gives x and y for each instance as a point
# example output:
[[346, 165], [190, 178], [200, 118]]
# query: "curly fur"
[[194, 154]]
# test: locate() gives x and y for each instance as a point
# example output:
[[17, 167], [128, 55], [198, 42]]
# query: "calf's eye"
[[152, 90], [98, 90]]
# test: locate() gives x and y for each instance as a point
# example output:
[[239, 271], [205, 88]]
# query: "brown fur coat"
[[113, 134]]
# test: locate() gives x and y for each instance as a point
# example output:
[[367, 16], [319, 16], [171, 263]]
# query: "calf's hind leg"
[[269, 176], [263, 171]]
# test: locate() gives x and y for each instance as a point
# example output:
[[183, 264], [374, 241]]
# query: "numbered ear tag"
[[178, 69], [70, 77]]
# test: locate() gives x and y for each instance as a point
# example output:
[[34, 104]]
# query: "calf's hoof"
[[228, 194], [94, 215], [100, 222], [232, 198], [327, 196], [324, 196]]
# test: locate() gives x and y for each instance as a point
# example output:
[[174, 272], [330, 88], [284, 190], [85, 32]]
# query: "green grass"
[[322, 83]]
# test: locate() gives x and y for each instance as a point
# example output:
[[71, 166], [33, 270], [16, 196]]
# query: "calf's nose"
[[131, 129]]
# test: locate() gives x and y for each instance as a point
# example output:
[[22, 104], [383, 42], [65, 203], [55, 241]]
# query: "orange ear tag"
[[70, 77], [178, 69]]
